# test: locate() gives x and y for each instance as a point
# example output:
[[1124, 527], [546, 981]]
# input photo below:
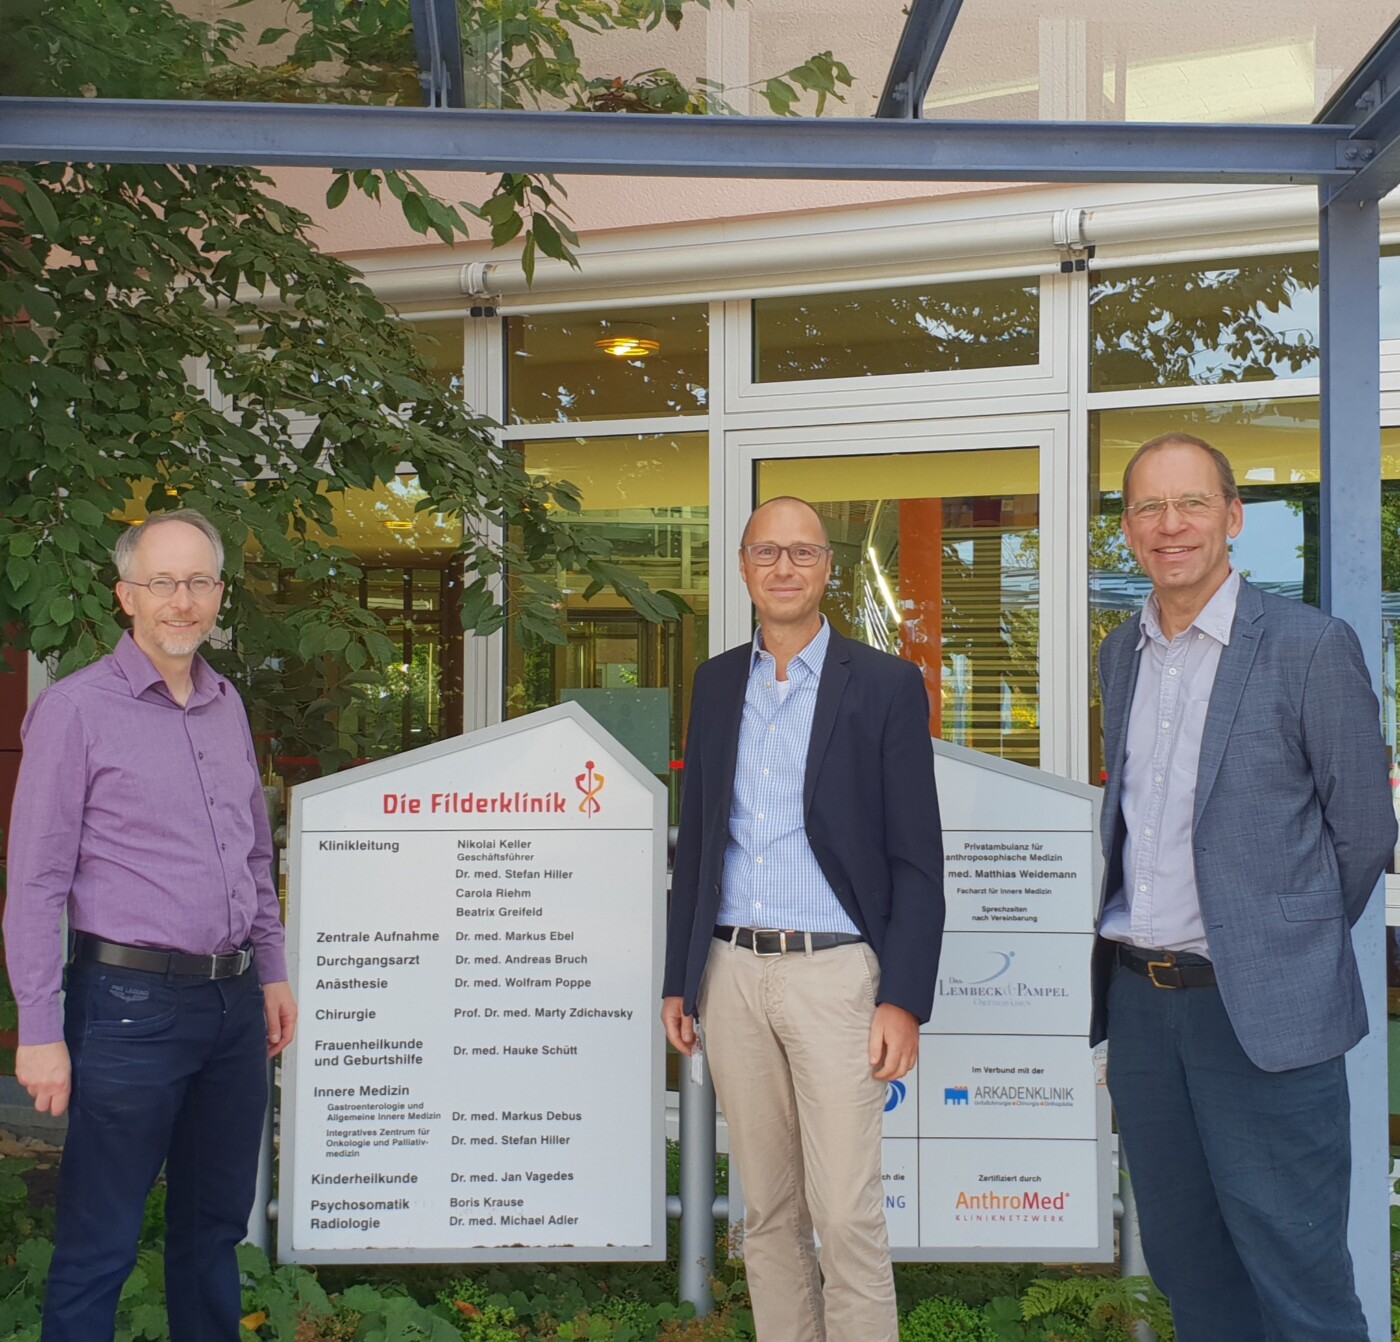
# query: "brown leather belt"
[[88, 949], [1167, 969]]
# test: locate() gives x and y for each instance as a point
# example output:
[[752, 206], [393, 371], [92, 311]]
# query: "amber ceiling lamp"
[[629, 340]]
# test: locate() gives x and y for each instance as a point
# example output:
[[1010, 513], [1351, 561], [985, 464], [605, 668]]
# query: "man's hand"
[[894, 1042], [680, 1028], [46, 1073], [281, 1011]]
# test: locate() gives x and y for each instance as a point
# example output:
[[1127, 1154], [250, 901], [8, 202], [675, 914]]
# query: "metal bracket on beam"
[[438, 41], [1355, 153], [925, 35]]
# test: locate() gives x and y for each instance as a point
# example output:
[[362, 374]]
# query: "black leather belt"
[[87, 947], [1168, 969], [764, 941]]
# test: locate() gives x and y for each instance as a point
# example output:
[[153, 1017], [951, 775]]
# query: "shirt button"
[[773, 727], [1171, 670], [758, 903], [1147, 832], [765, 773], [759, 860], [1200, 636], [223, 847], [1143, 888], [211, 801], [1158, 779], [201, 754], [760, 815], [1166, 723]]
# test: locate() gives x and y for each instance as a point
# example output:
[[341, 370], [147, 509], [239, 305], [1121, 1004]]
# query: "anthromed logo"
[[895, 1093], [590, 784]]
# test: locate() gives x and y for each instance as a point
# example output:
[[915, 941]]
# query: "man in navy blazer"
[[805, 925], [1246, 820]]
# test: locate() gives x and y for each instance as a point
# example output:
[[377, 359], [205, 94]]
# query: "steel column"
[[697, 1137], [1349, 245]]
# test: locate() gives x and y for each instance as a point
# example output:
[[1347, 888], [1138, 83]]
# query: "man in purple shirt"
[[139, 813]]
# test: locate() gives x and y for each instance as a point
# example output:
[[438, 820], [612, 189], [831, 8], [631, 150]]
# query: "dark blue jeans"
[[166, 1070], [1242, 1176]]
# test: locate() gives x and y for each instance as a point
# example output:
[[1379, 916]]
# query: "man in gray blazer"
[[1246, 820]]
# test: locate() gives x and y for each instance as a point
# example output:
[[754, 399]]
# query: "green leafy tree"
[[172, 337]]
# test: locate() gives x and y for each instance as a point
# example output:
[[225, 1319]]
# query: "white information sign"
[[996, 1146], [475, 937]]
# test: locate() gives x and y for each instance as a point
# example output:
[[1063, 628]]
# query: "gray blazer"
[[1293, 824]]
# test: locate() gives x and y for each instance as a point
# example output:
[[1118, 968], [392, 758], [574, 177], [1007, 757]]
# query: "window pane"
[[1254, 320], [650, 497], [410, 578], [440, 347], [937, 558], [925, 329], [1275, 449], [558, 369]]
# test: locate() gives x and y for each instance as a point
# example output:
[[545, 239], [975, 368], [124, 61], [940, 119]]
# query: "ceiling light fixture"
[[632, 340]]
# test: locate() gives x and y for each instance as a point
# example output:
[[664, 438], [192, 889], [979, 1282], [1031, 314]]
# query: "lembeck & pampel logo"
[[997, 988]]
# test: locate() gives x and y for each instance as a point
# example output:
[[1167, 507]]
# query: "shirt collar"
[[141, 674], [1217, 617], [811, 657]]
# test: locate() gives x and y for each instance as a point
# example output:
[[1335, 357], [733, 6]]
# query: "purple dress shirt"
[[145, 819]]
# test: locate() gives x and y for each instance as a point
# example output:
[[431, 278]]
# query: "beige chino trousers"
[[787, 1039]]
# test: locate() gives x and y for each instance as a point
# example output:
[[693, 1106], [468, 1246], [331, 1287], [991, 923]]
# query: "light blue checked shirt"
[[771, 878]]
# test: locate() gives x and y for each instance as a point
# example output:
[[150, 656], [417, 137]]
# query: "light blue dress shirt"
[[1159, 905], [771, 877]]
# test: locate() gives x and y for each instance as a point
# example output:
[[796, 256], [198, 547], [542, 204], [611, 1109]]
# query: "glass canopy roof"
[[1252, 61]]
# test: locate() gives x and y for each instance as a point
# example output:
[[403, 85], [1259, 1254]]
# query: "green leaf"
[[21, 545], [37, 200], [339, 189], [415, 212], [271, 35], [61, 610]]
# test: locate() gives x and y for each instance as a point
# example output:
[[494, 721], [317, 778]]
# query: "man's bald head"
[[783, 500]]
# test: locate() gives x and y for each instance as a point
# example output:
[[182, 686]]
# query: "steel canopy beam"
[[927, 29], [318, 135], [1369, 103]]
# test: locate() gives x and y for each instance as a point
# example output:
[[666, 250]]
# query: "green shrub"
[[937, 1319]]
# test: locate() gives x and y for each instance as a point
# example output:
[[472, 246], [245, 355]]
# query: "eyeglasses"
[[765, 555], [167, 587], [1188, 505]]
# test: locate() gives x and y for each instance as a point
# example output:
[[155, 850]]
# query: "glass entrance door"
[[939, 556]]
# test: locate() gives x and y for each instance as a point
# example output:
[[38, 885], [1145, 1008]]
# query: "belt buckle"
[[769, 955], [1154, 965]]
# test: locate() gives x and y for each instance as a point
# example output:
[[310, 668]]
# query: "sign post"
[[996, 1147], [476, 935]]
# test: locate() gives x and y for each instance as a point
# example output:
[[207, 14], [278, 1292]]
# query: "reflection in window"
[[1253, 320], [1275, 449], [410, 576], [439, 345], [650, 497], [924, 329], [632, 364], [937, 559]]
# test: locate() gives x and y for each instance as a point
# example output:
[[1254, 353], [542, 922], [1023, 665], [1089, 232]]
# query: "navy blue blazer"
[[1292, 825], [871, 815]]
